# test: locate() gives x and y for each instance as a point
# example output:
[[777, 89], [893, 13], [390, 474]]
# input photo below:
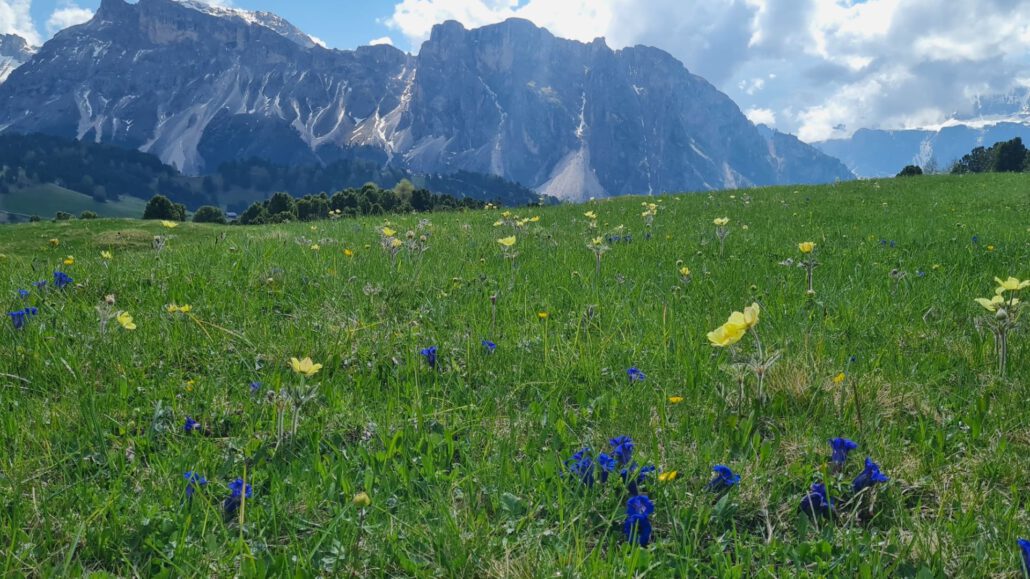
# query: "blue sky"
[[817, 68]]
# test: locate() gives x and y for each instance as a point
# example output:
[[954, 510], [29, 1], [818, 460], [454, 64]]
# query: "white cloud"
[[15, 18], [68, 13], [383, 40], [761, 116]]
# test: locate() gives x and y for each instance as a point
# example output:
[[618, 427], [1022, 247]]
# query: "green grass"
[[46, 200], [463, 464]]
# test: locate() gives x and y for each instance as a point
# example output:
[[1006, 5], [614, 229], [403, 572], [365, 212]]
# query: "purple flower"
[[724, 479], [490, 346], [637, 527], [841, 447], [635, 375], [817, 502], [255, 387], [193, 478], [869, 477], [430, 355], [190, 425]]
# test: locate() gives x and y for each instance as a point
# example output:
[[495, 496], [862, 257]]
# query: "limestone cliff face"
[[198, 86]]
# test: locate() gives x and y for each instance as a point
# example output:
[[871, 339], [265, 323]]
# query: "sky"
[[815, 68]]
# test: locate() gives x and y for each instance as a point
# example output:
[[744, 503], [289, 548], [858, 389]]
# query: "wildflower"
[[543, 315], [996, 302], [174, 309], [41, 284], [430, 355], [622, 448], [19, 317], [724, 479], [839, 378], [70, 260], [1024, 547], [581, 464], [395, 243], [590, 215], [841, 447], [633, 476], [684, 271], [169, 224], [106, 255], [55, 242], [817, 502], [490, 346], [721, 221], [315, 247], [675, 399], [305, 366], [869, 477], [255, 387], [635, 375], [990, 248], [389, 232], [637, 527], [734, 329], [193, 478], [362, 500], [190, 425], [806, 247], [534, 219], [668, 476], [62, 280], [23, 293], [238, 490], [126, 321], [507, 241], [1011, 285], [348, 253]]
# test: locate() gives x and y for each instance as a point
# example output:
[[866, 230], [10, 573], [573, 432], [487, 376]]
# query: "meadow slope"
[[463, 465]]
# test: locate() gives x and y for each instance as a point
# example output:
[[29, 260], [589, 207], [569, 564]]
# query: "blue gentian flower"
[[892, 244], [1024, 546], [193, 478], [62, 280], [976, 239], [637, 527], [607, 464], [255, 387], [19, 317], [817, 502], [23, 293], [490, 346], [40, 284], [237, 487], [622, 448], [231, 505], [632, 476], [190, 425], [841, 447], [582, 465], [430, 355], [724, 479], [635, 375], [869, 477]]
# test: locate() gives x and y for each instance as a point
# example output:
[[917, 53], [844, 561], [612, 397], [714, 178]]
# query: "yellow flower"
[[507, 241], [543, 315], [125, 319], [69, 260], [315, 247], [362, 500], [1011, 284], [348, 253], [305, 366], [597, 241], [55, 242], [806, 246], [685, 271], [839, 378], [174, 309], [395, 243], [996, 302], [506, 214], [675, 399], [744, 227], [990, 248], [668, 476], [936, 266], [106, 255], [498, 223], [590, 215], [170, 224], [751, 315], [534, 219], [389, 232], [726, 335], [721, 221]]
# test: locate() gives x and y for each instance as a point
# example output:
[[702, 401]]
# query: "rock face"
[[198, 86], [14, 52]]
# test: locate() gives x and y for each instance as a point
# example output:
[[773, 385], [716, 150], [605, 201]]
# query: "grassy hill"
[[463, 465], [41, 200]]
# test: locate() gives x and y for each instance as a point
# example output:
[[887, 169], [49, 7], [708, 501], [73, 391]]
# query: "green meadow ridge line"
[[406, 410]]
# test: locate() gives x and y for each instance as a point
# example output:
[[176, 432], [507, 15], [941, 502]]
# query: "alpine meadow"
[[786, 381]]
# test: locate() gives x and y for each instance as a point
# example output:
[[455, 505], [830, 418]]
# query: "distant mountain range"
[[14, 52], [199, 86]]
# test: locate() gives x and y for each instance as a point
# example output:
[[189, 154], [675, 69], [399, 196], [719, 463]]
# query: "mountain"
[[882, 153], [199, 86], [14, 52]]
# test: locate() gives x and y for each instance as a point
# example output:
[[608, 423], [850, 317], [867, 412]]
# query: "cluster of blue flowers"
[[20, 317], [430, 355], [237, 490], [636, 375], [818, 501]]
